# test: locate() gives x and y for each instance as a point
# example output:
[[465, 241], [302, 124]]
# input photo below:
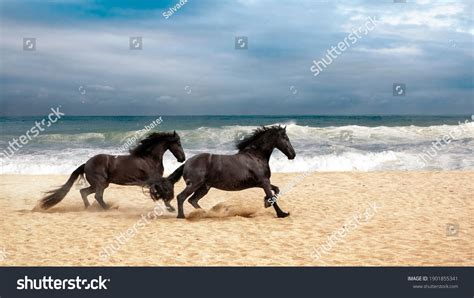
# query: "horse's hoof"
[[170, 209], [283, 214], [181, 216]]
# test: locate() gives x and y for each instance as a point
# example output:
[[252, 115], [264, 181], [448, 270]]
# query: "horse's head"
[[174, 145], [284, 145], [266, 139], [157, 143]]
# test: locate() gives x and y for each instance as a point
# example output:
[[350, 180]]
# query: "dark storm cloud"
[[189, 65]]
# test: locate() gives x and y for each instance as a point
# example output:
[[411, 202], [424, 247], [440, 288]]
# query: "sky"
[[189, 64]]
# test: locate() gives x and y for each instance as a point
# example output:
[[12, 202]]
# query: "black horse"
[[246, 169], [144, 162]]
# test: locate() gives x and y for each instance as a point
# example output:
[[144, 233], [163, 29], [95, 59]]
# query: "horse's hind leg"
[[190, 188], [198, 194], [84, 193], [169, 207], [99, 193]]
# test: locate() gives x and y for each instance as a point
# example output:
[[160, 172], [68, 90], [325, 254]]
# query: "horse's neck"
[[156, 159], [262, 153], [156, 163], [157, 155]]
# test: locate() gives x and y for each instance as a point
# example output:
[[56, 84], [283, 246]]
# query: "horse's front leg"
[[270, 199], [275, 189]]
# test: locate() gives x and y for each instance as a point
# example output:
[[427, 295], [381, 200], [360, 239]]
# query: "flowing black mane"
[[257, 134], [145, 145]]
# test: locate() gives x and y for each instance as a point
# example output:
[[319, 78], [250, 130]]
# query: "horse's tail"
[[176, 175], [55, 196], [163, 188]]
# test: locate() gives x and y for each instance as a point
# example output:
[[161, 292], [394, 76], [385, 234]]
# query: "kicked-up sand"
[[337, 219]]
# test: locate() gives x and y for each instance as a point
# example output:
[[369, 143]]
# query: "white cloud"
[[434, 16], [101, 87], [392, 51], [454, 16]]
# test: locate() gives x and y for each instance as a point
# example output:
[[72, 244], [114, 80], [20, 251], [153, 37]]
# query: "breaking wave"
[[333, 148]]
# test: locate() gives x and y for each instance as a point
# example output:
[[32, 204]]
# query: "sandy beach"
[[337, 219]]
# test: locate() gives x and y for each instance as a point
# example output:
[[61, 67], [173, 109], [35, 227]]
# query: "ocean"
[[322, 143]]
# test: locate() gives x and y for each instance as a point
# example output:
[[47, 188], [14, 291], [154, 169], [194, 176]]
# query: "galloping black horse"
[[144, 162], [246, 169]]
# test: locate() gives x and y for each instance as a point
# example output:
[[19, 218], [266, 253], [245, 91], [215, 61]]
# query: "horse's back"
[[198, 160], [209, 159], [101, 161], [97, 159]]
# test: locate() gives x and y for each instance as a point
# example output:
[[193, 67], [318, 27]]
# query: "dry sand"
[[409, 227]]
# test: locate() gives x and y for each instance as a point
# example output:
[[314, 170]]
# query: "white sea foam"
[[344, 148]]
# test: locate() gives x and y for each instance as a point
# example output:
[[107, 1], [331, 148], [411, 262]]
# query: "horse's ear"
[[284, 128], [174, 133]]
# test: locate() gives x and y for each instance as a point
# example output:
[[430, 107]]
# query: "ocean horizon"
[[322, 143]]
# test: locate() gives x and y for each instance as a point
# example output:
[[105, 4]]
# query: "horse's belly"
[[233, 184], [229, 188]]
